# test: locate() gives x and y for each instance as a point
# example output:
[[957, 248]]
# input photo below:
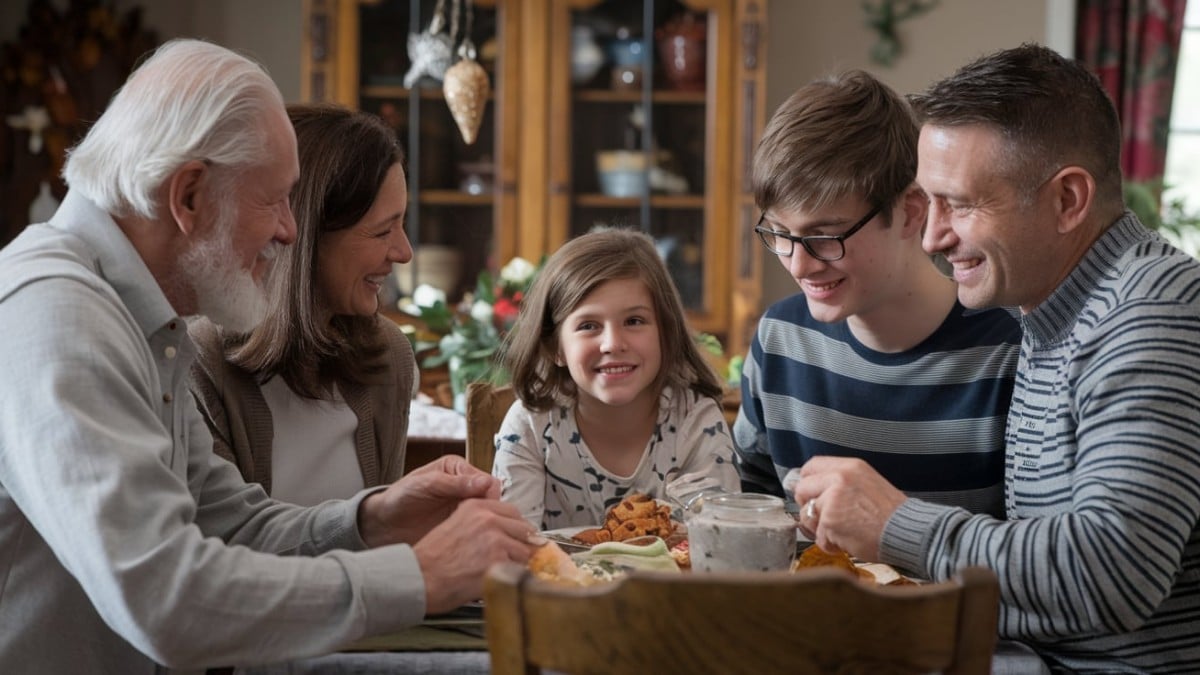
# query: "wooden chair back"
[[486, 406], [819, 620]]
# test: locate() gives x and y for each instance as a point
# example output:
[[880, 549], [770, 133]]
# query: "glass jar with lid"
[[741, 532]]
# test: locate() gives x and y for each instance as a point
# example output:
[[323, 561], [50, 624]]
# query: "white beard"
[[225, 292]]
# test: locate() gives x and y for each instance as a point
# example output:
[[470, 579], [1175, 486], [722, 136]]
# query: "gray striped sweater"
[[1099, 561]]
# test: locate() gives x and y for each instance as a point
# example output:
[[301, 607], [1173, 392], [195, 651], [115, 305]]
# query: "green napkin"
[[614, 557]]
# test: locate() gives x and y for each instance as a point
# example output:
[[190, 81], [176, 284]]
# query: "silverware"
[[566, 542]]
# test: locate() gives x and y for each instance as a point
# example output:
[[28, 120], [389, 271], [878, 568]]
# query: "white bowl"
[[622, 173]]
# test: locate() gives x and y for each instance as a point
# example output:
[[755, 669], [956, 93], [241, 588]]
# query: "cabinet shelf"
[[454, 198], [635, 96], [601, 201], [396, 91]]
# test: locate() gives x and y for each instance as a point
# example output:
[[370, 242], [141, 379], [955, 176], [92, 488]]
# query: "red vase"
[[681, 48]]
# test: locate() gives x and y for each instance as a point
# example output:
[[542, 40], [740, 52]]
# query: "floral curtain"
[[1133, 46]]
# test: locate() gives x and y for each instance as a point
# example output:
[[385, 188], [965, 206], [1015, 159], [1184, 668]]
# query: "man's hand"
[[845, 504], [457, 553], [420, 501]]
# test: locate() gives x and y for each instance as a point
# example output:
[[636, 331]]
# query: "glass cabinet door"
[[631, 113], [459, 193], [639, 137]]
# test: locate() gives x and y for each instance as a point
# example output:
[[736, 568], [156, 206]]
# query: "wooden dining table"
[[448, 643], [452, 643]]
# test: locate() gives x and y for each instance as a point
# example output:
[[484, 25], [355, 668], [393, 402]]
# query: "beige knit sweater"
[[240, 420]]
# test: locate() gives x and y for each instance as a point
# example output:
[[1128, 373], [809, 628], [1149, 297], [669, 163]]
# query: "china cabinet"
[[633, 113]]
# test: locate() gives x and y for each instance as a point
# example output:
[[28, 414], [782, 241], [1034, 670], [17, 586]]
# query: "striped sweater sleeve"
[[1099, 558]]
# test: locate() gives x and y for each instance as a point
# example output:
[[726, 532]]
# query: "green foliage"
[[1143, 198], [733, 376], [438, 318], [709, 343], [884, 17], [469, 335]]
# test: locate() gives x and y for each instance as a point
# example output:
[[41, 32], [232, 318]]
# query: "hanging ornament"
[[466, 88], [466, 85], [33, 119], [431, 51]]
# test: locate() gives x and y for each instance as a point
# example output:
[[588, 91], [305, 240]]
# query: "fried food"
[[551, 563], [635, 506], [815, 556], [637, 515], [596, 535]]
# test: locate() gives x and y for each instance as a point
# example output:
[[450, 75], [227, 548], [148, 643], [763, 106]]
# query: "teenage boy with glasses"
[[875, 358]]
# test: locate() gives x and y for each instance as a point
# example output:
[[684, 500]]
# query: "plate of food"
[[606, 561], [637, 533], [637, 515], [877, 573]]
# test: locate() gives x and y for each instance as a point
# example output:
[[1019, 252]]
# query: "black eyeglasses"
[[827, 247]]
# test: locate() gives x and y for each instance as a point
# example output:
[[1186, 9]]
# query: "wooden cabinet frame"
[[533, 192]]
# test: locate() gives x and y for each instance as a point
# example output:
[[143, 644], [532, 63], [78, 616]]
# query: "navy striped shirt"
[[1099, 565], [929, 419]]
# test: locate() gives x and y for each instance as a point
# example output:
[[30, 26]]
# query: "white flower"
[[428, 296], [517, 271], [481, 311], [452, 343]]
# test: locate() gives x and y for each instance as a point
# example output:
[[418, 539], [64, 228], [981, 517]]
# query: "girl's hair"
[[574, 271], [344, 157], [191, 100]]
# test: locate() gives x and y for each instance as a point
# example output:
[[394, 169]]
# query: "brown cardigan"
[[240, 421]]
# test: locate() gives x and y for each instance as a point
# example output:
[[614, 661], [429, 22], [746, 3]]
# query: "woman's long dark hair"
[[344, 157]]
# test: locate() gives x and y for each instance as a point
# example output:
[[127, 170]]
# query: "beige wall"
[[268, 30], [807, 38]]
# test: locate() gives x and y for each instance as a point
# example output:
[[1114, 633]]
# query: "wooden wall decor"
[[55, 79]]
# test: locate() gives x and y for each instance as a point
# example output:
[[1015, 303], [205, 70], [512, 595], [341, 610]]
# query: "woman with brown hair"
[[313, 402]]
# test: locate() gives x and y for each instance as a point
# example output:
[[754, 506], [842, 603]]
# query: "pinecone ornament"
[[466, 88]]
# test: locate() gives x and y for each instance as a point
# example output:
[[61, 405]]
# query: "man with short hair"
[[874, 358], [1099, 558], [125, 543]]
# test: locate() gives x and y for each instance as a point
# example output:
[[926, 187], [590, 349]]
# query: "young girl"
[[613, 395]]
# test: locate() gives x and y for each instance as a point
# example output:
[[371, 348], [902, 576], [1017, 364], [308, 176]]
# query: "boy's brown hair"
[[836, 137]]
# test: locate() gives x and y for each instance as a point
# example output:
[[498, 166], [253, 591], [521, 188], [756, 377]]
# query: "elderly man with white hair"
[[126, 545]]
